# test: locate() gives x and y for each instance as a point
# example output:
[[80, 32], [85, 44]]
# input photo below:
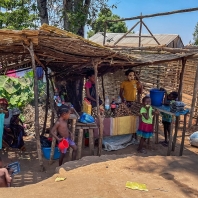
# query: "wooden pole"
[[126, 33], [52, 121], [73, 129], [140, 32], [183, 137], [95, 64], [47, 101], [181, 79], [154, 15], [175, 134], [171, 138], [31, 50], [194, 98], [103, 90], [150, 33]]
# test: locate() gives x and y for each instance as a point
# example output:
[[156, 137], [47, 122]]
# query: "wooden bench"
[[81, 129]]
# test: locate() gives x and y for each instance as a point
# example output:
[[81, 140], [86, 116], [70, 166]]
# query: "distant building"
[[132, 40]]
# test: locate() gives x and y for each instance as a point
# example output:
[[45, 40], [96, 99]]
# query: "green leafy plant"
[[18, 91]]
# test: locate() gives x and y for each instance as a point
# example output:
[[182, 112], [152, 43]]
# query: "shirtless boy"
[[5, 178], [63, 133]]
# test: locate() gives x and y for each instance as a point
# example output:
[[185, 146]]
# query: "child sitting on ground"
[[61, 128], [145, 130], [166, 118], [5, 178]]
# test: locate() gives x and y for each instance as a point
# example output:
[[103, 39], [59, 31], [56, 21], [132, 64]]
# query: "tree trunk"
[[67, 7], [42, 8]]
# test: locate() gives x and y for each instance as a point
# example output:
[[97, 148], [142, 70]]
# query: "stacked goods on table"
[[123, 109], [135, 108], [176, 106]]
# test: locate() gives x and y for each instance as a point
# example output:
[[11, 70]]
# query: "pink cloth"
[[88, 84], [12, 73]]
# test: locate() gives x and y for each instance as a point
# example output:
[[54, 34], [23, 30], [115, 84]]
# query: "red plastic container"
[[63, 145]]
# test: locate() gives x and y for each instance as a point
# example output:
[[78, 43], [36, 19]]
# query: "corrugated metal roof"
[[111, 38]]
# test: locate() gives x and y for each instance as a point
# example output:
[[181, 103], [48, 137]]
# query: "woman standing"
[[91, 90]]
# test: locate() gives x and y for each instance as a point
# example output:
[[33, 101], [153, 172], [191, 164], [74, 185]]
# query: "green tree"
[[18, 14], [98, 24], [195, 35]]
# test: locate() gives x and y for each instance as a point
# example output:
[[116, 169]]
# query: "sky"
[[182, 23]]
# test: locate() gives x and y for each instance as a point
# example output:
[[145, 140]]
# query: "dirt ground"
[[106, 176]]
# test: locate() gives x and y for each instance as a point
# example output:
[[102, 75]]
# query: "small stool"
[[81, 127]]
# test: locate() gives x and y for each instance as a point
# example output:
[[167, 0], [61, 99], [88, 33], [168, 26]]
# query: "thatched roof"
[[67, 53]]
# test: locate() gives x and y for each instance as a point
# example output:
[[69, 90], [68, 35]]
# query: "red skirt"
[[145, 127]]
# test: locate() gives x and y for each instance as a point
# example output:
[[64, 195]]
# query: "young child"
[[130, 87], [167, 119], [63, 132], [5, 178], [128, 91], [145, 130]]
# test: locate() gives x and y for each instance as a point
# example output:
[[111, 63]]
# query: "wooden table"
[[81, 127], [172, 140]]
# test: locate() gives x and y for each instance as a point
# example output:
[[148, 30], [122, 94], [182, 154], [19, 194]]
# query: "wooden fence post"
[[95, 64], [31, 50]]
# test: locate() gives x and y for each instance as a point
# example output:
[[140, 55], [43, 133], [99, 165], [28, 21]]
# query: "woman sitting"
[[8, 135], [16, 126], [13, 127]]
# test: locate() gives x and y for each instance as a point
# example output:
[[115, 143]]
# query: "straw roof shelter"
[[67, 54]]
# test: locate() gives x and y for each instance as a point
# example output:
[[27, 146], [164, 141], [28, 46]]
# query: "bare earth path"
[[106, 176]]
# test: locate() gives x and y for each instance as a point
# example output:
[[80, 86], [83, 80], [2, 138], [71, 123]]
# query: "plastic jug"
[[87, 106], [107, 103]]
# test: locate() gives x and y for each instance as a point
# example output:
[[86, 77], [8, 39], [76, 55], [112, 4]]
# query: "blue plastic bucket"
[[156, 97], [46, 153]]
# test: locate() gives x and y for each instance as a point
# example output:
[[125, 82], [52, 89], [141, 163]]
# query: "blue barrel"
[[156, 97]]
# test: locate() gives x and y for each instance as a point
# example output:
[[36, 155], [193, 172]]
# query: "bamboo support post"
[[80, 139], [91, 141], [95, 64], [126, 33], [193, 98], [31, 50], [73, 129], [181, 79], [183, 136], [103, 89], [140, 32], [47, 101], [170, 138], [175, 134]]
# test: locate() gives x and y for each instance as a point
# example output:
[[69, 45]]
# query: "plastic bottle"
[[107, 103], [119, 100]]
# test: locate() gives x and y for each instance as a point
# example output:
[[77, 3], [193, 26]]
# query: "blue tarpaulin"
[[2, 115]]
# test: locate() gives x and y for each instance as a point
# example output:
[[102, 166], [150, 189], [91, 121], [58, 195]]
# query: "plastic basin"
[[46, 153]]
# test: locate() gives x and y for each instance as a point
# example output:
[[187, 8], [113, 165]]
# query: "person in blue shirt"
[[166, 118]]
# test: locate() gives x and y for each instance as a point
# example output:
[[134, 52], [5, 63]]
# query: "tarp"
[[2, 115]]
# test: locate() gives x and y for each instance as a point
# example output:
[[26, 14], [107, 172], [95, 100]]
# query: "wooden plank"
[[183, 137], [91, 141], [80, 139]]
